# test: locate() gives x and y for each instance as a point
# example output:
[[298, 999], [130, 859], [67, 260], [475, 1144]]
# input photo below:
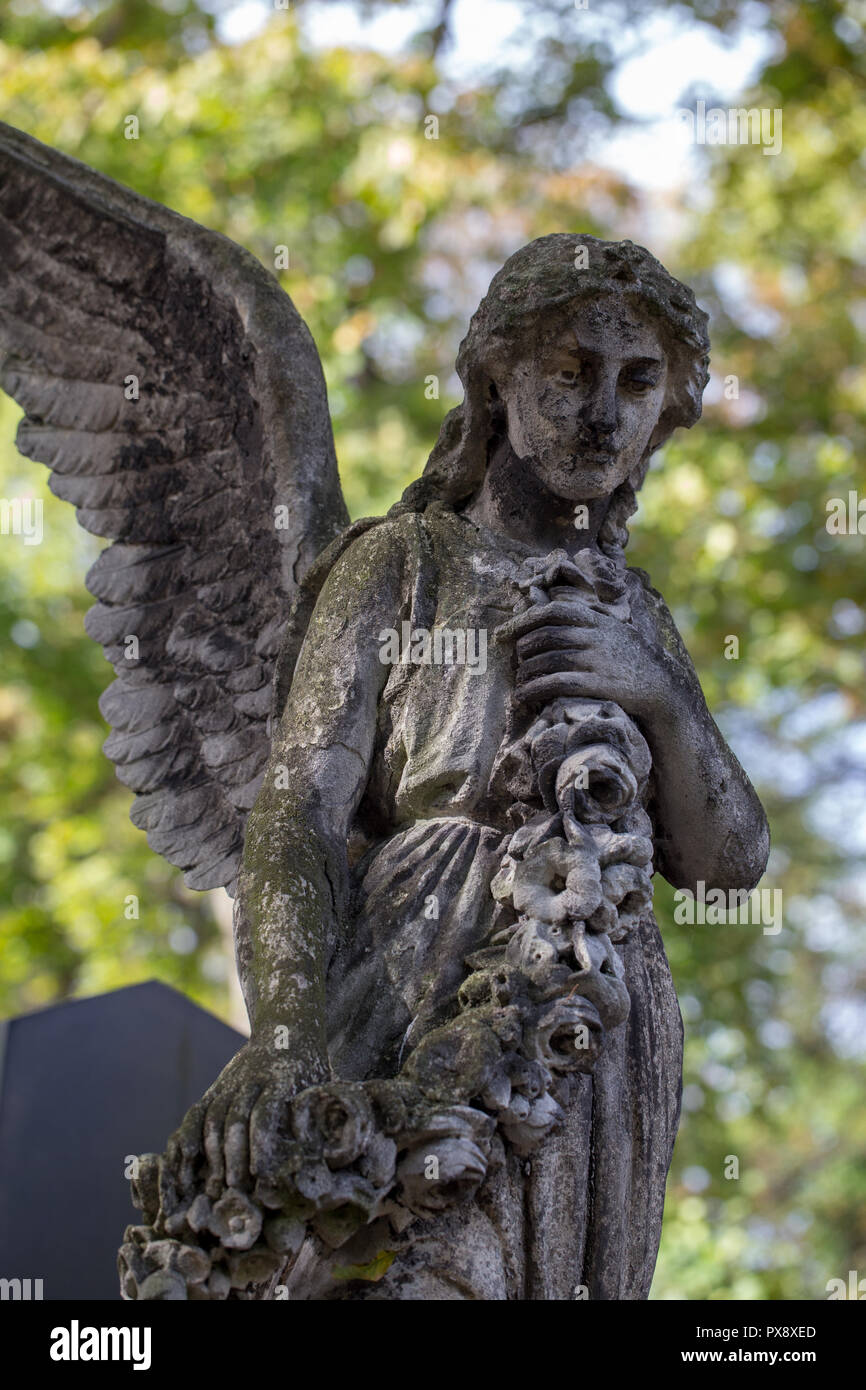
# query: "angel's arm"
[[293, 884], [709, 823]]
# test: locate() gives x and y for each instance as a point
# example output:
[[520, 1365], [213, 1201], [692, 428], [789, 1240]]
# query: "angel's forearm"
[[710, 824], [285, 914], [292, 896]]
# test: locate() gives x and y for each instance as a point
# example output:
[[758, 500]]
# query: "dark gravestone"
[[83, 1085]]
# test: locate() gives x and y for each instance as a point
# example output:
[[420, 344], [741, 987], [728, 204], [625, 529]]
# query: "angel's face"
[[581, 411]]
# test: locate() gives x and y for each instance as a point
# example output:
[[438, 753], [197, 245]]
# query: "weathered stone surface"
[[464, 1071]]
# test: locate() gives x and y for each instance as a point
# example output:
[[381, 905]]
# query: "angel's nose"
[[600, 412]]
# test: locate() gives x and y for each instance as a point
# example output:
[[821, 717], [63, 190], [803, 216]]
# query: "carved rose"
[[568, 1035], [447, 1161], [593, 579], [596, 783], [337, 1117]]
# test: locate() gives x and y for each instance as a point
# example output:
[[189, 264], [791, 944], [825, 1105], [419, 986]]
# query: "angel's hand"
[[238, 1132], [567, 650]]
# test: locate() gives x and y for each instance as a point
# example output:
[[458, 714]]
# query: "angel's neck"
[[512, 501]]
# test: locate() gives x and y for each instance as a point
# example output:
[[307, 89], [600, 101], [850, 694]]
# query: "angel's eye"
[[570, 375], [639, 385]]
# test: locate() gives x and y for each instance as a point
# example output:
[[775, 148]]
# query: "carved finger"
[[559, 613], [268, 1123], [190, 1146], [213, 1142], [564, 685], [184, 1146], [549, 663], [236, 1142], [564, 571], [551, 639]]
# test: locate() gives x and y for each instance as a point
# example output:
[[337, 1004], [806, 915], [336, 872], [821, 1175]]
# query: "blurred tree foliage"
[[392, 239]]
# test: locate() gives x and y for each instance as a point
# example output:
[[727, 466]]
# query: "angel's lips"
[[592, 457]]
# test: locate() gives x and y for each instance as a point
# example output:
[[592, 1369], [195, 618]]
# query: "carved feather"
[[178, 397]]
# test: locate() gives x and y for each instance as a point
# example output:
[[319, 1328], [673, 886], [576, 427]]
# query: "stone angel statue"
[[464, 1068]]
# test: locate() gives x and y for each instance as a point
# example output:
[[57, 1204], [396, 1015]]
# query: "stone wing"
[[178, 398]]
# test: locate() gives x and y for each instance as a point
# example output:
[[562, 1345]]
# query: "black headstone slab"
[[83, 1085]]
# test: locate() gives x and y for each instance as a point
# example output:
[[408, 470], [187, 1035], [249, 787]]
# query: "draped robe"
[[582, 1216]]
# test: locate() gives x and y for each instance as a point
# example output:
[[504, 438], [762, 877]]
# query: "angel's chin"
[[586, 484]]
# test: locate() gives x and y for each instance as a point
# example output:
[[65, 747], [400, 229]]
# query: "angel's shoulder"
[[369, 561], [640, 585], [651, 613], [377, 543]]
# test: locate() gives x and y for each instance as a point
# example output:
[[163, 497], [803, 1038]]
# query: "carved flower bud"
[[198, 1216], [459, 1057], [175, 1225], [269, 1193], [613, 847], [163, 1286], [600, 978], [284, 1235], [526, 1128], [528, 1076], [144, 1189], [140, 1235], [390, 1104], [253, 1266], [558, 882], [532, 947], [604, 921], [191, 1263], [496, 1095], [629, 888], [236, 1221], [219, 1284], [378, 1161], [131, 1270]]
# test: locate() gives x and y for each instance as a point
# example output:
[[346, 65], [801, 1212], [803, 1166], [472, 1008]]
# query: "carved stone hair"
[[529, 299]]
